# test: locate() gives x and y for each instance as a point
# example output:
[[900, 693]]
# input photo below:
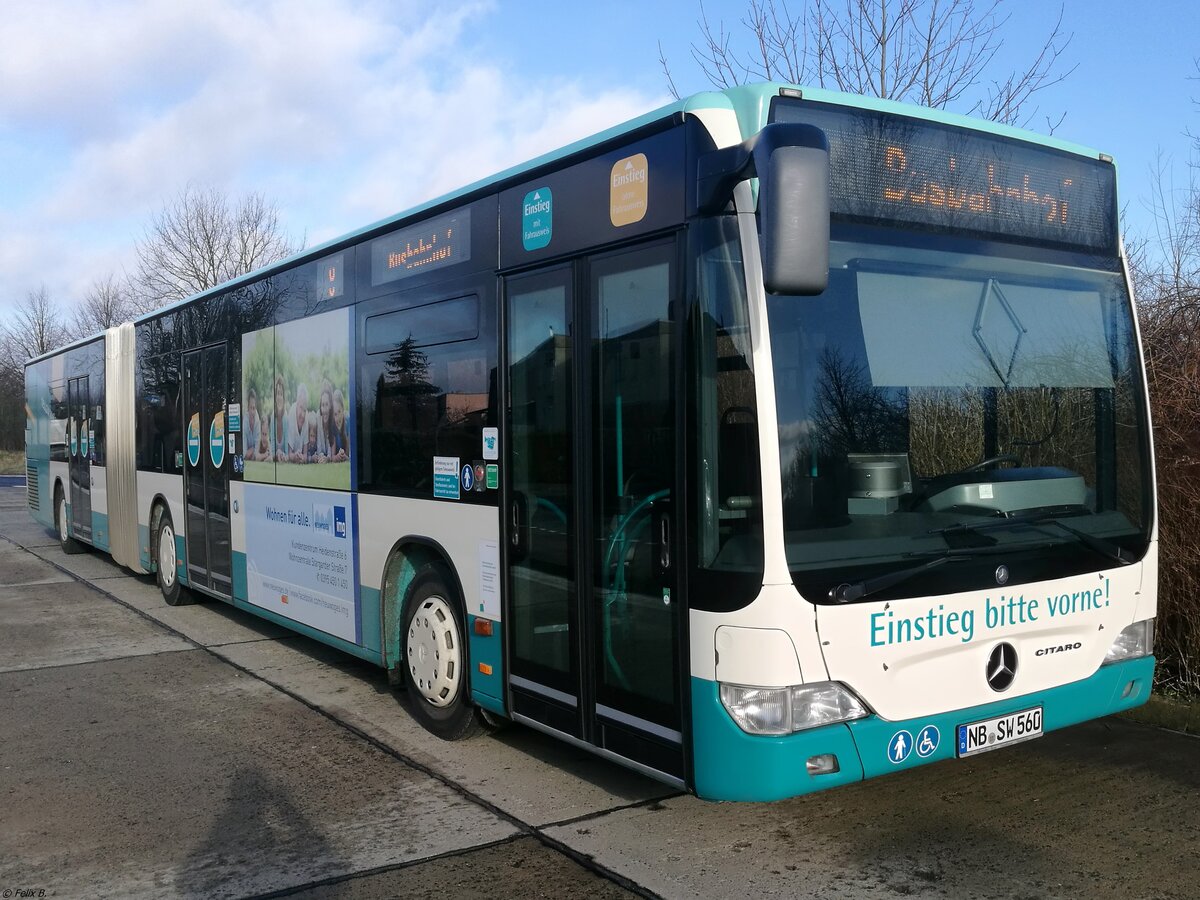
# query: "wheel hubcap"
[[62, 520], [166, 555], [434, 653]]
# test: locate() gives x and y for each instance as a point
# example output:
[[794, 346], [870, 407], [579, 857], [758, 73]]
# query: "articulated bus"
[[774, 440]]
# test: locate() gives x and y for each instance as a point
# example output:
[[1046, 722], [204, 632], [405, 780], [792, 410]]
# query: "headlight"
[[783, 710], [1134, 641]]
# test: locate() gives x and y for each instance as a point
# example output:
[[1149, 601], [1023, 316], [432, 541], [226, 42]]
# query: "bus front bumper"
[[732, 765]]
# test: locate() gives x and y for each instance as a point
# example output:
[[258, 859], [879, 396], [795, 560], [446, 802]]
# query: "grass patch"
[[1175, 713], [12, 462]]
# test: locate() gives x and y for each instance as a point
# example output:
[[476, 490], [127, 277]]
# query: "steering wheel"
[[990, 462]]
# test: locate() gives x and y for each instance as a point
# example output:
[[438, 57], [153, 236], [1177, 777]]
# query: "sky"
[[343, 112]]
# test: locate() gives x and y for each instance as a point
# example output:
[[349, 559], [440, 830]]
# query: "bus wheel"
[[68, 544], [435, 658], [168, 576]]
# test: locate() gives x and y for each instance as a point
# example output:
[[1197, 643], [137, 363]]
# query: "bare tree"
[[36, 326], [108, 302], [1166, 273], [33, 327], [201, 239], [933, 52]]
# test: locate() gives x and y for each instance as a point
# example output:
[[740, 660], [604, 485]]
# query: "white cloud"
[[341, 111]]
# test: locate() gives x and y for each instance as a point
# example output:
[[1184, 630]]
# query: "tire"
[[69, 545], [436, 663], [492, 722], [168, 576]]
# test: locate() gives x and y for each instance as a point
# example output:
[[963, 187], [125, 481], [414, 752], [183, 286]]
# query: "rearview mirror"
[[793, 212], [791, 161]]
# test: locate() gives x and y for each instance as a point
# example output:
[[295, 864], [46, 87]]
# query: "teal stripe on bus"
[[733, 765], [368, 612], [238, 575], [144, 546], [100, 531], [487, 690]]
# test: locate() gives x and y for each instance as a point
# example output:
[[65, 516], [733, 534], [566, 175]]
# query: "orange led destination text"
[[937, 194], [423, 253]]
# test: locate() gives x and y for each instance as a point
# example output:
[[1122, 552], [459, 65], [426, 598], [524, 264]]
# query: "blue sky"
[[343, 111]]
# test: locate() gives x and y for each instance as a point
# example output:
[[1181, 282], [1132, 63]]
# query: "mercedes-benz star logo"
[[1001, 667], [1002, 575]]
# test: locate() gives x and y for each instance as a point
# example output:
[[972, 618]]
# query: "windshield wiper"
[[848, 593], [1099, 545]]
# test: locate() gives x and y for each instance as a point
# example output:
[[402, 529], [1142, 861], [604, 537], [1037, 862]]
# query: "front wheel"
[[168, 574], [435, 658]]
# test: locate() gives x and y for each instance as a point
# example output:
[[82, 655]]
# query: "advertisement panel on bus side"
[[300, 557]]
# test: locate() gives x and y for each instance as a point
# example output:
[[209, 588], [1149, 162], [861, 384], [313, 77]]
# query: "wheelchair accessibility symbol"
[[927, 741]]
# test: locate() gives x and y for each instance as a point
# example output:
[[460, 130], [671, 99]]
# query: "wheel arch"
[[407, 557], [158, 504], [59, 488]]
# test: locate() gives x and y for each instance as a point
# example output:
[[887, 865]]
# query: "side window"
[[729, 480], [158, 413], [58, 421], [427, 385]]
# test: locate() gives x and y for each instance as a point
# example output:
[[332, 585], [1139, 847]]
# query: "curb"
[[1168, 712]]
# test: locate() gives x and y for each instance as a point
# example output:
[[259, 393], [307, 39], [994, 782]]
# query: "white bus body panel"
[[469, 534], [170, 487], [1070, 623], [99, 478]]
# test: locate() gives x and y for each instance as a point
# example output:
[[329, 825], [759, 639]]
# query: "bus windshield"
[[929, 391]]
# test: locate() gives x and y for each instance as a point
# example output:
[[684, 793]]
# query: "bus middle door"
[[206, 469], [80, 465]]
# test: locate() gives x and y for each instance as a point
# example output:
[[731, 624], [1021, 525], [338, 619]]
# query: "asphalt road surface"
[[198, 751]]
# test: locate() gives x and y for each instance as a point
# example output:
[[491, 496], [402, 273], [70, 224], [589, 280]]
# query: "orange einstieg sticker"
[[628, 190]]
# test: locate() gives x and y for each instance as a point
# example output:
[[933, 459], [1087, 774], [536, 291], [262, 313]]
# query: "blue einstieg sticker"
[[537, 219]]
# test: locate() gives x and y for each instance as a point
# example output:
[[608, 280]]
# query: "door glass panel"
[[633, 448], [194, 440], [540, 467], [81, 453], [217, 463]]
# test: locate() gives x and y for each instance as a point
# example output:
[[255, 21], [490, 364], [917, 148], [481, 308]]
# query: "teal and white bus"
[[774, 440]]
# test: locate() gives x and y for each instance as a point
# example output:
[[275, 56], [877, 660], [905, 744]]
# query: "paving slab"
[[55, 624], [90, 564], [213, 623], [18, 525], [1080, 813], [518, 868], [533, 777], [20, 567], [176, 774], [139, 591]]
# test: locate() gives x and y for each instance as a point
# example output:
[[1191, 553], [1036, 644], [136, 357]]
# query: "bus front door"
[[206, 469], [80, 465], [593, 608]]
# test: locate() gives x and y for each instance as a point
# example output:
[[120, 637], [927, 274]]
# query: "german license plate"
[[990, 734]]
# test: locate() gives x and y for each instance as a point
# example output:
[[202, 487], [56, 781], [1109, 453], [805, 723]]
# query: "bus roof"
[[750, 104]]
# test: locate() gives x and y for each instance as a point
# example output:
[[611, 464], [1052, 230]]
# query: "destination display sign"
[[434, 243], [903, 170]]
